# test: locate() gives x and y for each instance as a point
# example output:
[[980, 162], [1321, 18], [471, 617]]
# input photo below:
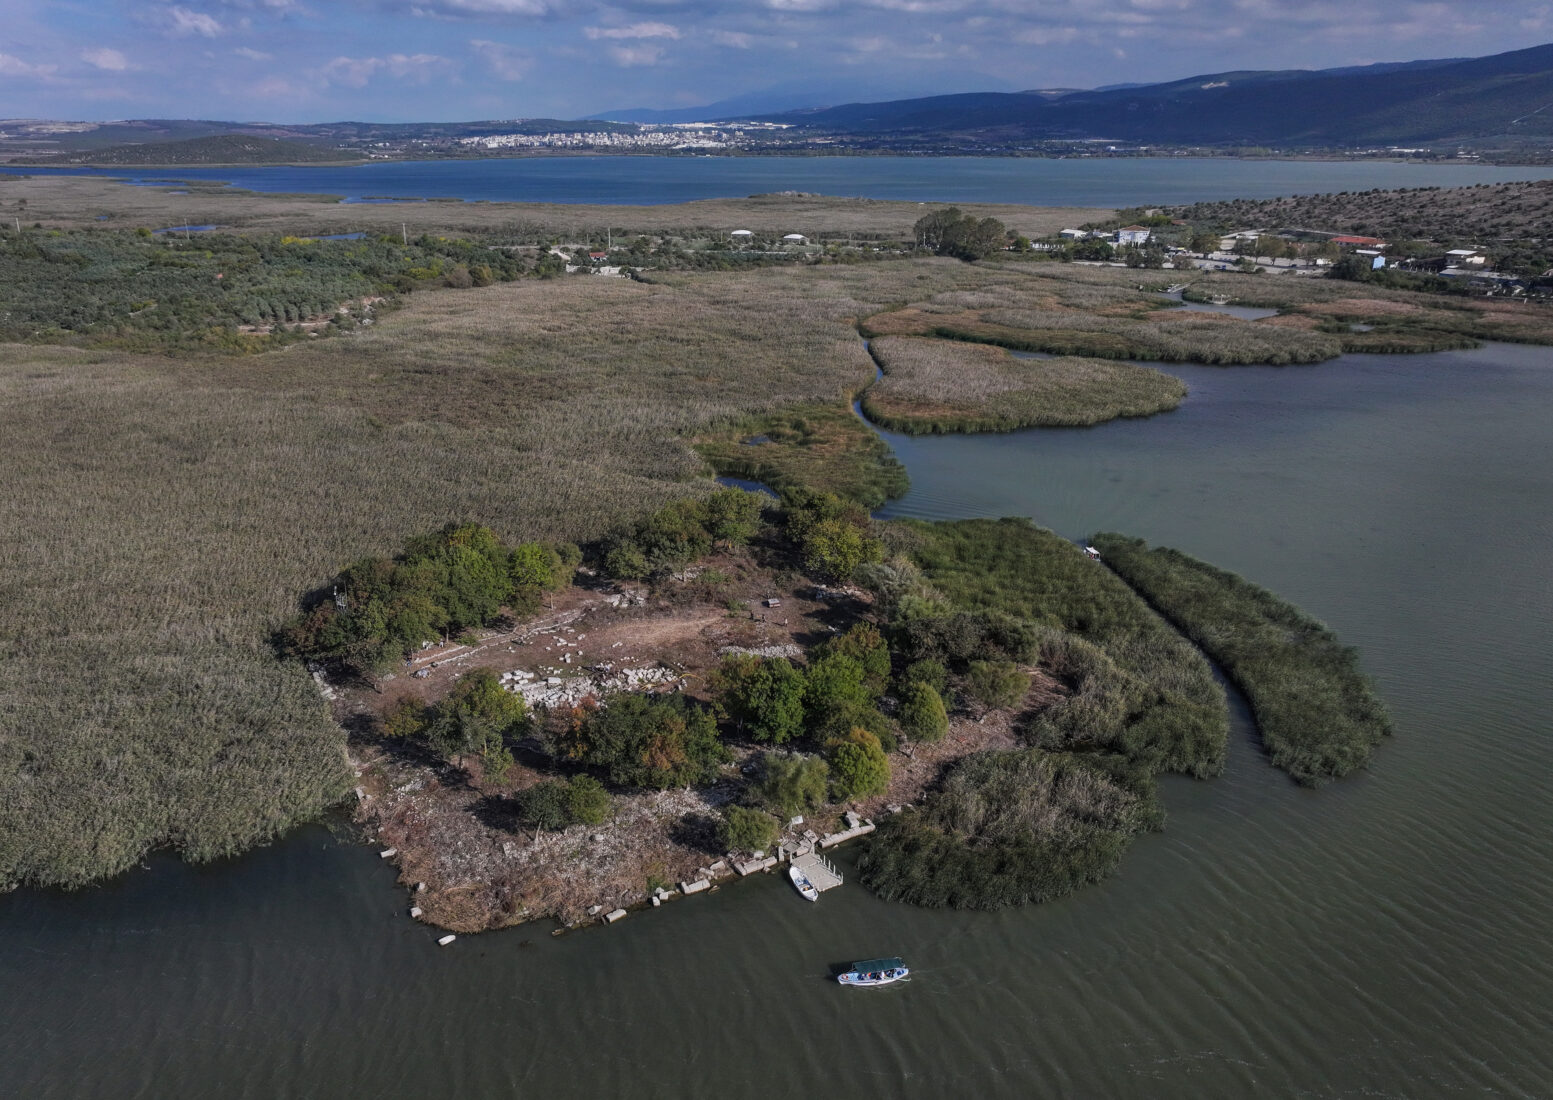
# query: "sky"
[[425, 60]]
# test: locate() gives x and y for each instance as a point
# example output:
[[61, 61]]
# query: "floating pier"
[[820, 871]]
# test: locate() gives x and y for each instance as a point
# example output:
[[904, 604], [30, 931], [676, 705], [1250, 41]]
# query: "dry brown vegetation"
[[78, 201], [1106, 313], [947, 386], [161, 515]]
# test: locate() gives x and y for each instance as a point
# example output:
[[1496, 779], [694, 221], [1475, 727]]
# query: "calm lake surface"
[[1078, 182], [1384, 937]]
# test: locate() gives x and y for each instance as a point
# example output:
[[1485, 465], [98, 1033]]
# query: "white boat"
[[1090, 551], [875, 972], [802, 883]]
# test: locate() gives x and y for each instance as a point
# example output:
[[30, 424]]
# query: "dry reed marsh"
[[81, 201], [162, 515], [946, 386]]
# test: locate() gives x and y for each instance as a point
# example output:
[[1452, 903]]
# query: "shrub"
[[557, 803], [1010, 828], [834, 680], [655, 741], [790, 785], [858, 767], [745, 830], [733, 515], [922, 714], [929, 672], [997, 683], [864, 644]]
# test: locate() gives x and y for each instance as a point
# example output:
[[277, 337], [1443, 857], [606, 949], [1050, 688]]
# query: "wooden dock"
[[820, 871]]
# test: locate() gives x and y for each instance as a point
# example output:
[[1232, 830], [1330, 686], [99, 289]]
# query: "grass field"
[[1317, 713], [948, 386]]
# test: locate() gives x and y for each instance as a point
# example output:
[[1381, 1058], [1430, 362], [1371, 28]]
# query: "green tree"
[[834, 680], [858, 767], [765, 697], [654, 741], [834, 548], [922, 715], [745, 830], [733, 515]]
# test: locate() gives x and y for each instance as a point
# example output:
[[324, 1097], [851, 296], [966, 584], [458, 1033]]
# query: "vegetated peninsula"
[[252, 408], [1318, 715], [216, 149], [537, 739]]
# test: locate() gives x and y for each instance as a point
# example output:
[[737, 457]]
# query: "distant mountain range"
[[1504, 101], [1508, 95]]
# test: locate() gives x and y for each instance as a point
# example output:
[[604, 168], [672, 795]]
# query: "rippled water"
[[1384, 937]]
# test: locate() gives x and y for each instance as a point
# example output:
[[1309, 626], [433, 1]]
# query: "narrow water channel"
[[1385, 936]]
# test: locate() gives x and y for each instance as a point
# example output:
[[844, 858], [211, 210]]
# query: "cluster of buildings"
[[679, 136]]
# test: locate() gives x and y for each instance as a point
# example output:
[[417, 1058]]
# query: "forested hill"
[[217, 149], [1478, 98]]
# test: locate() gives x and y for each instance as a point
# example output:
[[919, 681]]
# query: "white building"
[[1133, 234]]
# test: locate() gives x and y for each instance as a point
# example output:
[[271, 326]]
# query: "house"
[[1461, 257], [1133, 234], [742, 234], [1073, 234], [598, 256], [1377, 261], [795, 238]]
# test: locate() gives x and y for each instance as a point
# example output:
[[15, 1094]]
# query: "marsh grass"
[[161, 515], [1404, 322], [945, 386], [1012, 828], [1135, 687], [78, 201], [1318, 714]]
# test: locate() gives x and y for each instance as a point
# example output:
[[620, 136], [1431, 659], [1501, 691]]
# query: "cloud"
[[355, 72], [253, 54], [15, 66], [635, 30], [505, 62], [736, 40], [632, 56], [477, 9], [185, 22], [109, 61]]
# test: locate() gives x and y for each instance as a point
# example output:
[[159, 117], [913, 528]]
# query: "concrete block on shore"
[[387, 852], [613, 915], [595, 910], [445, 940], [656, 901], [415, 910], [694, 887]]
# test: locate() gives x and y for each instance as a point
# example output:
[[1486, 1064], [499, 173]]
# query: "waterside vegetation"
[[1318, 715], [945, 386]]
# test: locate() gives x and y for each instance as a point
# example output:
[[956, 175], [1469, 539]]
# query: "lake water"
[[1075, 182], [1386, 936]]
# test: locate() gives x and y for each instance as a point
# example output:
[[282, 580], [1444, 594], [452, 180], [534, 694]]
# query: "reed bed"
[[944, 386], [77, 201], [161, 515], [1318, 715], [1134, 686]]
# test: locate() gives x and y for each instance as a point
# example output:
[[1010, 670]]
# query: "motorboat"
[[875, 972], [802, 884]]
